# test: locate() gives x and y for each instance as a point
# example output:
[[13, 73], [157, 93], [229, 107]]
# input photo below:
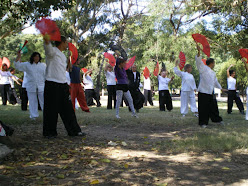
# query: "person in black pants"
[[147, 91], [207, 103], [57, 98], [111, 85], [133, 86], [232, 94]]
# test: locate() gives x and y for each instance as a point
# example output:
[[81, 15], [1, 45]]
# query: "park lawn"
[[158, 148]]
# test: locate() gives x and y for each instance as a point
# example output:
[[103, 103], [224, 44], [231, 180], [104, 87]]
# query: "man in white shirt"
[[12, 80], [89, 90], [207, 104], [232, 94], [187, 89], [56, 94], [111, 85]]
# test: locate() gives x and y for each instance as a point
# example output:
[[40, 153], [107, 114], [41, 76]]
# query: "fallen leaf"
[[124, 143], [126, 166], [218, 159], [61, 176], [225, 168], [105, 160], [94, 182]]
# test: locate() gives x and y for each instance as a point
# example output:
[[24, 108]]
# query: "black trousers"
[[148, 97], [57, 100], [208, 108], [24, 98], [165, 99], [5, 93], [111, 95], [90, 94], [232, 95]]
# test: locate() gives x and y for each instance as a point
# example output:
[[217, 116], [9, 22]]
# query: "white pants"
[[246, 116], [33, 103], [188, 97]]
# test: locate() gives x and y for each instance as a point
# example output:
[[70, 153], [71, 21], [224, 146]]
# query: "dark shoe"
[[50, 137], [99, 105], [242, 112], [81, 134], [203, 126]]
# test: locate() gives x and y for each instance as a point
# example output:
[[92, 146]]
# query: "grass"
[[186, 134]]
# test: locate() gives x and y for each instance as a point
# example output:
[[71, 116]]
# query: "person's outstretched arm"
[[227, 71]]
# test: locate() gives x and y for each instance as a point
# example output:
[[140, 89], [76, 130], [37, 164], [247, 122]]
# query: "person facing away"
[[188, 89], [90, 92], [232, 94], [12, 81], [111, 85], [76, 90], [35, 81], [57, 98], [5, 75], [207, 103]]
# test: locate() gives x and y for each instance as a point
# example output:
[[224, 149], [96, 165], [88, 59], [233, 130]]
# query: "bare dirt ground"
[[132, 159]]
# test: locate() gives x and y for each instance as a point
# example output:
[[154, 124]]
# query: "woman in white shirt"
[[187, 89], [111, 85], [35, 81], [164, 94], [232, 94], [5, 84]]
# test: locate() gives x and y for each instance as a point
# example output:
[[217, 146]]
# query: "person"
[[246, 68], [12, 81], [76, 90], [5, 88], [133, 86], [89, 89], [35, 74], [147, 91], [122, 86], [56, 94], [207, 103], [164, 94], [24, 94], [232, 94], [187, 89], [111, 85]]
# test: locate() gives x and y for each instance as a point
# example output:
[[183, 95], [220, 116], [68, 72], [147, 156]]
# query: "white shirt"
[[147, 83], [11, 81], [208, 79], [88, 82], [134, 76], [35, 75], [24, 81], [231, 83], [4, 77], [110, 76], [188, 80], [68, 79], [163, 83], [56, 64]]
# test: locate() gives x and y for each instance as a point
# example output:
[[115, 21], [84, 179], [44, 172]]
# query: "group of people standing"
[[47, 85]]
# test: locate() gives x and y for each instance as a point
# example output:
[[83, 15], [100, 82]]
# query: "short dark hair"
[[33, 55], [12, 69], [121, 60], [63, 39], [209, 61], [186, 67], [231, 72]]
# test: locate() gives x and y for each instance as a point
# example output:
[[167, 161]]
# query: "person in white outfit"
[[35, 81], [246, 67], [187, 89], [111, 85]]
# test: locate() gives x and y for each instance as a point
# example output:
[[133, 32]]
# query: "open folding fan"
[[49, 27], [203, 40], [156, 70], [130, 62], [6, 61], [74, 53], [146, 73], [182, 60], [111, 58], [244, 53]]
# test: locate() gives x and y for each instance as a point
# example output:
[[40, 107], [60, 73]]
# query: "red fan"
[[6, 61], [130, 63], [84, 70], [182, 60], [204, 61], [74, 52], [111, 58], [48, 26], [146, 73], [156, 70], [244, 53], [202, 39], [1, 62]]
